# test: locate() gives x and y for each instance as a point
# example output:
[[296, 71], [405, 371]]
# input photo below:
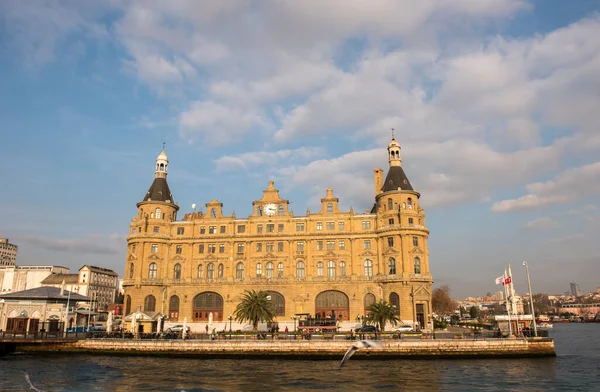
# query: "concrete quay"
[[300, 349]]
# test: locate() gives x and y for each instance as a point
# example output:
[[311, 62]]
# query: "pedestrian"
[[206, 329], [286, 329]]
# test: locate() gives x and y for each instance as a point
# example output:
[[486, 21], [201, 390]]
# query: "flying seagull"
[[30, 384], [358, 345]]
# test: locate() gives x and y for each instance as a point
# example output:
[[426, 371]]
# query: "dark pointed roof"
[[396, 178], [159, 191], [45, 293]]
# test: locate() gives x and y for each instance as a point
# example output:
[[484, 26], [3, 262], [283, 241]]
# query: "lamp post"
[[230, 319], [294, 319], [530, 298]]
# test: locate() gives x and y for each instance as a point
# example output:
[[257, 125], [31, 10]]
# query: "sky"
[[495, 103]]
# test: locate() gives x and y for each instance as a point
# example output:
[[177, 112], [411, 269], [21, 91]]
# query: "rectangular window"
[[299, 226], [319, 245], [280, 247], [240, 248], [330, 225], [367, 244], [341, 226], [410, 221], [366, 225], [201, 248], [133, 248], [202, 230], [330, 245], [155, 229], [259, 228], [280, 228], [178, 249], [180, 230], [212, 229], [342, 245], [319, 226], [300, 246], [212, 248], [241, 228], [222, 229], [259, 246], [415, 241], [154, 248], [391, 221], [221, 248], [270, 228], [269, 247], [390, 241]]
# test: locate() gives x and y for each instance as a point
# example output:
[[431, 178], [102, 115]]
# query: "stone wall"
[[303, 348]]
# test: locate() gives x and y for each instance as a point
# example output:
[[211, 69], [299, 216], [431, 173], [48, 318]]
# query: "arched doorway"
[[207, 303], [395, 301], [278, 302], [149, 303], [127, 305], [369, 300], [174, 308], [332, 303]]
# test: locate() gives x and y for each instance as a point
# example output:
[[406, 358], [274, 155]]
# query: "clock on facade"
[[270, 209]]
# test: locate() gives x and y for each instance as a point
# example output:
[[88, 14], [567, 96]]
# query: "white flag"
[[500, 280]]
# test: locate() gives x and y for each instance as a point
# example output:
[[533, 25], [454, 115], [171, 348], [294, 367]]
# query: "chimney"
[[378, 176]]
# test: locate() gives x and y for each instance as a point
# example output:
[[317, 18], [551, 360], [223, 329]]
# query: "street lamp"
[[230, 318], [294, 318], [530, 298]]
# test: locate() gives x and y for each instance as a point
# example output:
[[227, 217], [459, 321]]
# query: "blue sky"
[[495, 104]]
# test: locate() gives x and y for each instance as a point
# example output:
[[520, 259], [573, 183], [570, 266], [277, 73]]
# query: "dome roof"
[[393, 143], [162, 156]]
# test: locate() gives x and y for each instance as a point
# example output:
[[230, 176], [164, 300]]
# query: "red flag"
[[507, 280]]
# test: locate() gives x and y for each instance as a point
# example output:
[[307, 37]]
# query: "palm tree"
[[381, 312], [255, 307]]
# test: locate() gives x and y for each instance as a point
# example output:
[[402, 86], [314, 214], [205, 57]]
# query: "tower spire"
[[162, 165], [394, 152]]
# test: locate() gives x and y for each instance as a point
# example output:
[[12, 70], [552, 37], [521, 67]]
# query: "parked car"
[[177, 329], [98, 327], [366, 328], [404, 328]]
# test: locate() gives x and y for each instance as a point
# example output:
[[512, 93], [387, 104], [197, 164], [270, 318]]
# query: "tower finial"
[[392, 129], [164, 145]]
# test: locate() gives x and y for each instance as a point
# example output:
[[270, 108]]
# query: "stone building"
[[326, 263], [8, 253], [25, 277]]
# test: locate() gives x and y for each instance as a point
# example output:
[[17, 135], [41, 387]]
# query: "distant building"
[[8, 253], [575, 290], [25, 277], [499, 296], [69, 282]]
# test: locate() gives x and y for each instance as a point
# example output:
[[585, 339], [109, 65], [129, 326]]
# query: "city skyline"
[[493, 103]]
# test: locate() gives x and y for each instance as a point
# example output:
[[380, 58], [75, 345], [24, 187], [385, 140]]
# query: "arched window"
[[239, 271], [300, 270], [221, 270], [258, 270], [280, 270], [395, 302], [409, 202], [177, 271], [270, 269], [368, 268], [174, 308], [281, 210], [331, 268], [210, 271], [278, 302], [259, 211], [149, 303], [127, 305], [157, 213], [320, 268], [342, 268], [333, 304], [390, 205], [417, 265], [392, 266], [329, 208], [131, 268], [199, 270], [369, 300], [213, 213], [208, 303], [152, 271]]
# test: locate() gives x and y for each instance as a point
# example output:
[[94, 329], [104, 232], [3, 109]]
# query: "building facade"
[[8, 253], [25, 277], [326, 263]]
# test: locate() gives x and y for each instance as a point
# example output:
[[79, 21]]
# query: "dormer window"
[[259, 211], [213, 213], [281, 210], [329, 208]]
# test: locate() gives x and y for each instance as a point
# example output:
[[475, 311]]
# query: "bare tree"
[[441, 302]]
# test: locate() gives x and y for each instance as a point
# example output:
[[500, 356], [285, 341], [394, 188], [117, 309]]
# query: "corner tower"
[[158, 205]]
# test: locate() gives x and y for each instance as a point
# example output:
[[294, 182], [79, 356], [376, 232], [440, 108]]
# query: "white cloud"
[[95, 244], [569, 186], [258, 158], [541, 223], [568, 238]]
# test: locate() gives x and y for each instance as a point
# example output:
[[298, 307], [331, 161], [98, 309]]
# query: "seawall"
[[509, 348]]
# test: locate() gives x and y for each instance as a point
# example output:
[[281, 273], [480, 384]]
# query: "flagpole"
[[507, 305], [512, 300]]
